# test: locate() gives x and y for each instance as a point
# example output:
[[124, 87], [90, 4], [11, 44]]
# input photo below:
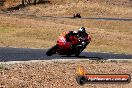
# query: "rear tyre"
[[51, 51]]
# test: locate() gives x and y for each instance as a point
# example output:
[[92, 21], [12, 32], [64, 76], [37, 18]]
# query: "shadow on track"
[[24, 54]]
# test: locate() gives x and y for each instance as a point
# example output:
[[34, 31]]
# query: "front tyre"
[[77, 52], [52, 50]]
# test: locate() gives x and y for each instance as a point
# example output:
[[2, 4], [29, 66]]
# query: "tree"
[[29, 1], [23, 4], [2, 2], [35, 2]]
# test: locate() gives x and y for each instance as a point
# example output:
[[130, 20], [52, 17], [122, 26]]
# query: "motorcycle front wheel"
[[77, 54], [78, 51]]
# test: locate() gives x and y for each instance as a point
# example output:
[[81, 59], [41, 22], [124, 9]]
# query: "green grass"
[[3, 67], [4, 29]]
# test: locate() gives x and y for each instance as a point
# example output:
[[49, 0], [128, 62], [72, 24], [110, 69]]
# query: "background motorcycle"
[[63, 48]]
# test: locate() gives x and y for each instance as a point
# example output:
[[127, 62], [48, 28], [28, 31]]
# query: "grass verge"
[[107, 36], [61, 74]]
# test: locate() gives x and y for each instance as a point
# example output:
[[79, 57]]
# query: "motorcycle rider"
[[69, 42], [81, 33]]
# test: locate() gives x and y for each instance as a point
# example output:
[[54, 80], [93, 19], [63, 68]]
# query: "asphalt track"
[[61, 17], [26, 54]]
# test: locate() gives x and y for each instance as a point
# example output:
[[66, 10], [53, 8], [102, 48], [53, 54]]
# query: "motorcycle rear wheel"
[[52, 50]]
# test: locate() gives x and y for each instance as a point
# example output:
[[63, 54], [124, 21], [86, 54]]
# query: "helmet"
[[82, 30]]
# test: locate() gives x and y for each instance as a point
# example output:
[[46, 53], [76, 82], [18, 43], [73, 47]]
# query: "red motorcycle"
[[64, 48]]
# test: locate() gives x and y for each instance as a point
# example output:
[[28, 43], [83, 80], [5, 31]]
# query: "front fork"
[[81, 48]]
